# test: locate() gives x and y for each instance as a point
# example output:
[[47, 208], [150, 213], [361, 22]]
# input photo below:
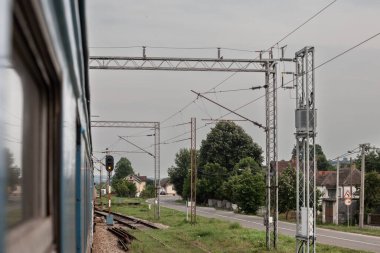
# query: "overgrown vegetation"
[[123, 188], [148, 192]]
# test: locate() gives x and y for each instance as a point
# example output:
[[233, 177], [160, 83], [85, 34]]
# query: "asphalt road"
[[325, 236]]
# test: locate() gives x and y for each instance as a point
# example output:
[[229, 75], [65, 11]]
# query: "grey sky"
[[347, 89]]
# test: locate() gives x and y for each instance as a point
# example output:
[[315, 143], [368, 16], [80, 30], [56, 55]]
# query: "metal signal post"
[[156, 155], [193, 165], [109, 168]]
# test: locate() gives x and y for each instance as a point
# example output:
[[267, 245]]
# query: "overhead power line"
[[254, 122], [145, 151], [176, 125], [179, 48], [348, 50], [233, 74], [320, 65], [304, 23]]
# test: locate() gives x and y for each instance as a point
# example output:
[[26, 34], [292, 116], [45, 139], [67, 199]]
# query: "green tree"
[[186, 187], [178, 173], [322, 162], [211, 178], [123, 188], [13, 172], [372, 161], [247, 190], [226, 144], [287, 190], [247, 163], [123, 168], [148, 192], [372, 191], [101, 185]]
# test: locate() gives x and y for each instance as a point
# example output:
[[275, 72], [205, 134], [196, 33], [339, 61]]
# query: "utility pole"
[[157, 180], [109, 187], [337, 193], [271, 151], [362, 186], [193, 165], [350, 206], [109, 167], [100, 194]]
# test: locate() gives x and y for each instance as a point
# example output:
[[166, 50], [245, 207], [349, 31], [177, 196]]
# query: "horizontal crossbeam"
[[125, 124], [182, 64]]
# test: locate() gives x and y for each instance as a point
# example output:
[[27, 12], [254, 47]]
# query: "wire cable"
[[348, 50], [320, 65], [233, 74], [304, 23], [282, 39]]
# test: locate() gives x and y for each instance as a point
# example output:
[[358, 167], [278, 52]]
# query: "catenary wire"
[[320, 65], [233, 74], [282, 39], [304, 23]]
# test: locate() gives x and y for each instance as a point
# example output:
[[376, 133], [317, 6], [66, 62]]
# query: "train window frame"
[[34, 60]]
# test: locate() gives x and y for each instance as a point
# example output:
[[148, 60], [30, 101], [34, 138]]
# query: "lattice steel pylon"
[[193, 171], [305, 116], [271, 152]]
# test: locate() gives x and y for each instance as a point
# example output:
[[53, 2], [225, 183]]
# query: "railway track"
[[129, 221]]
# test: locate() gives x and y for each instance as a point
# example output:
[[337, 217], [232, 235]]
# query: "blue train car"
[[46, 172]]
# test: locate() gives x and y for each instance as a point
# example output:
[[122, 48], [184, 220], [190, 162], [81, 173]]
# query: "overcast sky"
[[347, 89]]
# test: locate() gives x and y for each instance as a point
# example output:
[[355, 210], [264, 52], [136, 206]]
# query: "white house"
[[167, 187], [349, 182], [139, 181]]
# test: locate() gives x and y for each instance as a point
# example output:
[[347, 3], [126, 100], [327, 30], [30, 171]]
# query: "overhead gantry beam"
[[125, 124], [181, 64]]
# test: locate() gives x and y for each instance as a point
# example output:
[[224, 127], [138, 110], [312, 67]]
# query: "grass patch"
[[234, 225], [208, 235]]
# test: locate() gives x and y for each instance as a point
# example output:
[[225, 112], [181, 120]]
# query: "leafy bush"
[[123, 188]]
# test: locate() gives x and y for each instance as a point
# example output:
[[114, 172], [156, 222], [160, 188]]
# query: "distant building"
[[139, 181], [283, 165], [167, 187], [345, 162], [349, 182]]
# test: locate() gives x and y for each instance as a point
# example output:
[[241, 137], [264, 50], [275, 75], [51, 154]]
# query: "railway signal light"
[[109, 163]]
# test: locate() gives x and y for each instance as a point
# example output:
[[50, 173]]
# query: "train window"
[[26, 150], [13, 147], [31, 137]]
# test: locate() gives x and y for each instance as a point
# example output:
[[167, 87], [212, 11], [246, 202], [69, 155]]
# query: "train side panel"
[[47, 44]]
